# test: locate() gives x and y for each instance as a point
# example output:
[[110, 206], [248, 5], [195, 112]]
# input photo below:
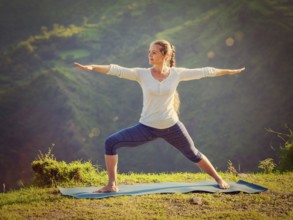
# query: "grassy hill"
[[44, 100], [47, 203]]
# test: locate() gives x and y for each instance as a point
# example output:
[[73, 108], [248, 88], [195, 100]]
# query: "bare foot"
[[107, 189], [222, 184]]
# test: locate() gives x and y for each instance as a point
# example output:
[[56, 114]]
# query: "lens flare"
[[229, 42], [95, 132], [211, 54]]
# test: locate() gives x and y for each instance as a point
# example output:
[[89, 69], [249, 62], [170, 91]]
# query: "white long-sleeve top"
[[158, 97]]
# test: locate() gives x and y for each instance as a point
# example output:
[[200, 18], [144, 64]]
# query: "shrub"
[[231, 169], [267, 165], [285, 150], [48, 171]]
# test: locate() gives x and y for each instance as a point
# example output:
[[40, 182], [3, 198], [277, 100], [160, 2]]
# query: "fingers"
[[239, 70], [83, 67], [78, 65]]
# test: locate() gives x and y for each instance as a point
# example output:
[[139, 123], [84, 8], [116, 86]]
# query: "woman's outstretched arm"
[[99, 68], [198, 73], [222, 72], [112, 69]]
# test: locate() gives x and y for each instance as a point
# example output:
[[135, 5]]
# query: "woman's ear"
[[167, 57]]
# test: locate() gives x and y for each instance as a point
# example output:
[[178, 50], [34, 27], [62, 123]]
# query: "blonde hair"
[[167, 48]]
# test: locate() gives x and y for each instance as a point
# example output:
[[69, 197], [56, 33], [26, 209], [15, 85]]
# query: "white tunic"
[[158, 97]]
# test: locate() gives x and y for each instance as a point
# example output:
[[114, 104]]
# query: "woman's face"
[[155, 55]]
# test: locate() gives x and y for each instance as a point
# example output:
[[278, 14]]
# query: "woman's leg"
[[129, 137], [179, 137], [207, 167], [111, 162]]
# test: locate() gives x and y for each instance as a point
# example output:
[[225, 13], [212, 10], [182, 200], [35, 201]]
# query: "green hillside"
[[48, 203], [44, 100]]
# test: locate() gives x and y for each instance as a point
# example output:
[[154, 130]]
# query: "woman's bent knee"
[[110, 146]]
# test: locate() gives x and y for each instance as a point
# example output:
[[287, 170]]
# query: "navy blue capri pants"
[[177, 136]]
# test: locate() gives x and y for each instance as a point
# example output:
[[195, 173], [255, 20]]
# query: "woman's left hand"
[[236, 71], [222, 72]]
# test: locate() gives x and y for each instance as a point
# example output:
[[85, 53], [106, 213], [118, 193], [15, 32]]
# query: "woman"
[[159, 117]]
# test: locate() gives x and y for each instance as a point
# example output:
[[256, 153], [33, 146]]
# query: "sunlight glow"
[[95, 132], [211, 54], [229, 42]]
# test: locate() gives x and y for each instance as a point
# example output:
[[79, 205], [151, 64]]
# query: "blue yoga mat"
[[165, 187]]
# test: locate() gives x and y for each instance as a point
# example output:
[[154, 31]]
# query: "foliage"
[[231, 169], [267, 165], [285, 149], [49, 171], [58, 31]]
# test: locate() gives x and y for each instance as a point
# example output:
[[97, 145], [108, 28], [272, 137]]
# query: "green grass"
[[47, 203]]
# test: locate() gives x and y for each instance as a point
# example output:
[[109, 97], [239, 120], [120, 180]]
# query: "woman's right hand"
[[84, 67]]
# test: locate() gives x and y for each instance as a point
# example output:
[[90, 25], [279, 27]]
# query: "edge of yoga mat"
[[164, 187]]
